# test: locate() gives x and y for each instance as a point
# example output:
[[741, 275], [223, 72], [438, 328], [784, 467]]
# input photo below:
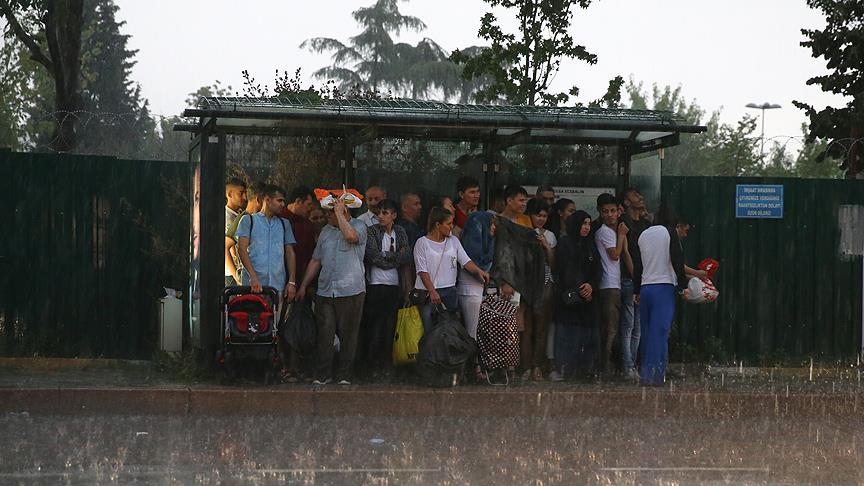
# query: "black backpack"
[[445, 351]]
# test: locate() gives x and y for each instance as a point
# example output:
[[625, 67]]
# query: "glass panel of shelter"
[[429, 168]]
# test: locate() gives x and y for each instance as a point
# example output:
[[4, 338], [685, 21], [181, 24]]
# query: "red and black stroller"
[[250, 331]]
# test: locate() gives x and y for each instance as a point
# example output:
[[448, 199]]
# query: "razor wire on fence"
[[132, 135]]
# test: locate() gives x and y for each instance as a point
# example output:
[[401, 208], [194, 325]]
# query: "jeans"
[[630, 331], [657, 310], [449, 298]]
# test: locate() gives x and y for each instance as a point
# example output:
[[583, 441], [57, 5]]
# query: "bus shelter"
[[400, 144]]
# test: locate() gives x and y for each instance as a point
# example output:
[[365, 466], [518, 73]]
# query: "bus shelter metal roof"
[[499, 125]]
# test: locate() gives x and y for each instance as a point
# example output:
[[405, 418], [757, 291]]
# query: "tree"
[[523, 64], [57, 24], [695, 155], [15, 95], [373, 62], [841, 44], [737, 149], [812, 161], [113, 118], [368, 59], [118, 118]]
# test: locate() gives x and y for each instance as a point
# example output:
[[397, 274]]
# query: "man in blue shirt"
[[266, 246], [341, 291]]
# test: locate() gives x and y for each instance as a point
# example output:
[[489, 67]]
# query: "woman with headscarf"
[[578, 275], [478, 240]]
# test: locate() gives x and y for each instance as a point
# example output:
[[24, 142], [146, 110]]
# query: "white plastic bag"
[[701, 291]]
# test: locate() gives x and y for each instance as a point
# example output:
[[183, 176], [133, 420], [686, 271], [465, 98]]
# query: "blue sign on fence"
[[758, 201]]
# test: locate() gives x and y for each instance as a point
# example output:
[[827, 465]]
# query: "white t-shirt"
[[428, 255], [380, 276], [606, 238], [656, 261]]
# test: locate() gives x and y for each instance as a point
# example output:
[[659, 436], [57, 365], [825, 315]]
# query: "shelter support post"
[[212, 241], [489, 174], [624, 154], [349, 165]]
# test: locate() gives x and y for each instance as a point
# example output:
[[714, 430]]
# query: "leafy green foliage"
[[729, 149], [841, 44], [51, 33], [522, 64], [113, 119], [372, 61], [15, 93]]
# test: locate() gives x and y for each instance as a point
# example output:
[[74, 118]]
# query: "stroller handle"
[[246, 289]]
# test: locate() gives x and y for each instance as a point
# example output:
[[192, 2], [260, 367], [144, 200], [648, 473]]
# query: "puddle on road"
[[267, 450]]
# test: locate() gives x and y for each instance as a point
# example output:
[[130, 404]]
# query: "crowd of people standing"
[[595, 296]]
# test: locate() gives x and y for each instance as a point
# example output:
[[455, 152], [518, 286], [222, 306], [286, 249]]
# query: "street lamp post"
[[763, 107]]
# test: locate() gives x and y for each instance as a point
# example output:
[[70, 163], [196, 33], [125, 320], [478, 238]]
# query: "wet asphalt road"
[[254, 449]]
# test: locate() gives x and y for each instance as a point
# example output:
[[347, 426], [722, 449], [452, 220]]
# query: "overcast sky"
[[724, 54]]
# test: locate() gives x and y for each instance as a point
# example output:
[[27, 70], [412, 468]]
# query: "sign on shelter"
[[759, 201]]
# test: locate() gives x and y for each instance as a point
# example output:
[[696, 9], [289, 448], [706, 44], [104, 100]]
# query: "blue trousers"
[[656, 310], [630, 330]]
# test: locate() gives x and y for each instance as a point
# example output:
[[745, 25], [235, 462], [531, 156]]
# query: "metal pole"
[[762, 149]]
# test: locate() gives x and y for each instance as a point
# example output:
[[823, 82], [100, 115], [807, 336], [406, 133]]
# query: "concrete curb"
[[332, 402], [42, 364]]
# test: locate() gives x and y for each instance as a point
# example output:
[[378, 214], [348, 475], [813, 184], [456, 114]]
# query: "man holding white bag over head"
[[339, 301]]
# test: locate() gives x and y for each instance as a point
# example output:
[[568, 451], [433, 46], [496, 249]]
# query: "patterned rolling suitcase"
[[497, 334]]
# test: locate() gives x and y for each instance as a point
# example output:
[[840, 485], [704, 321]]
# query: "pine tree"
[[119, 118]]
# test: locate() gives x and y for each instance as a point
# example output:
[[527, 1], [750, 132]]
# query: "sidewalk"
[[91, 387]]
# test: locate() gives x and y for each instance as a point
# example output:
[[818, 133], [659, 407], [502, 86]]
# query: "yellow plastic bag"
[[409, 330]]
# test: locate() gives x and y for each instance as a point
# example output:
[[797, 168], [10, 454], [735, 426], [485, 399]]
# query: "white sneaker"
[[632, 374], [344, 382], [555, 376], [322, 382]]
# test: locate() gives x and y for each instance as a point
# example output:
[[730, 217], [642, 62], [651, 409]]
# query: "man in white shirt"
[[611, 241], [374, 195], [235, 202]]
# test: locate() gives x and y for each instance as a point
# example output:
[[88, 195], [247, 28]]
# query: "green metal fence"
[[88, 243], [786, 288]]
